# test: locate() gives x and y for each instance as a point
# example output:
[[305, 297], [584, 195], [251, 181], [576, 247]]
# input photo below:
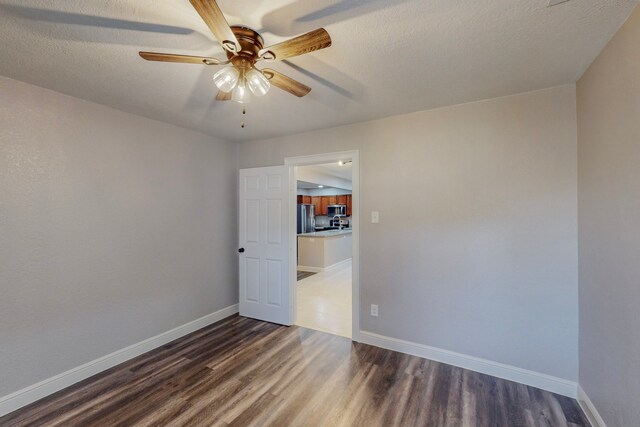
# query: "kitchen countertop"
[[327, 233]]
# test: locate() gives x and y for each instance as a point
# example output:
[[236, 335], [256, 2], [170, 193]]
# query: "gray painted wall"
[[476, 250], [114, 228], [609, 195]]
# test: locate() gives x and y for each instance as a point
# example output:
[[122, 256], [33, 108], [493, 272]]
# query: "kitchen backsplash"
[[323, 220]]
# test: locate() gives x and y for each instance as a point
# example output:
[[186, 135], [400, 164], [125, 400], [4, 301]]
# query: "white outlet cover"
[[374, 310], [375, 217]]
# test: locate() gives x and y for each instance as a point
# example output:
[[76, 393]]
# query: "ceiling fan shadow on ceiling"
[[301, 16], [96, 29], [244, 48]]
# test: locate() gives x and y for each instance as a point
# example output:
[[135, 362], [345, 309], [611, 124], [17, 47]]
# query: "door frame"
[[317, 159]]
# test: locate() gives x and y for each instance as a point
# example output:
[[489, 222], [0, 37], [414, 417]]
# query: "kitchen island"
[[321, 250]]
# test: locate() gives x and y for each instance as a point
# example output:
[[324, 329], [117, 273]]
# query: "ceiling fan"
[[245, 47]]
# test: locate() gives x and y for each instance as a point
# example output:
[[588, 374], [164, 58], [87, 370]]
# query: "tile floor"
[[324, 301]]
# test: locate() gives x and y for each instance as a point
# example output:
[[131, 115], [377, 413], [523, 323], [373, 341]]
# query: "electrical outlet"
[[374, 310], [375, 217]]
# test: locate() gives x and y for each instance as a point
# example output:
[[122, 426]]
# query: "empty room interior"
[[320, 213]]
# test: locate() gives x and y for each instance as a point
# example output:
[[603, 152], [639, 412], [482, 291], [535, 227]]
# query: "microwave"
[[333, 210]]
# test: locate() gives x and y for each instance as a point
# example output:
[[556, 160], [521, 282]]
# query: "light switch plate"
[[375, 217]]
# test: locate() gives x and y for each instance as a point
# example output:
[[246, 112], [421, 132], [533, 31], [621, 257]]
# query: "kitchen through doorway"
[[325, 223]]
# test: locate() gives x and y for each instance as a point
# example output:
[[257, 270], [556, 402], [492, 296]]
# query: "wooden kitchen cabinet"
[[316, 201], [321, 203], [324, 205]]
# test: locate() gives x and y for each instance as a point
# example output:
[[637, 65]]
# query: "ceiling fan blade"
[[211, 14], [313, 40], [188, 59], [223, 96], [286, 83]]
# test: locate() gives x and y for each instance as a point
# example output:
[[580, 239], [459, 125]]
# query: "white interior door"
[[264, 244]]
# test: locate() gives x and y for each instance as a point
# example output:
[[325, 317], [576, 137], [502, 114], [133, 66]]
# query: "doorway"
[[324, 236]]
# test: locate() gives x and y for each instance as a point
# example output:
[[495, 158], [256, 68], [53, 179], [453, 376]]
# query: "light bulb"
[[226, 79], [257, 82], [240, 93]]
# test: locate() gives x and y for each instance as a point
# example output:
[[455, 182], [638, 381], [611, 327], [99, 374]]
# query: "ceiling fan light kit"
[[226, 79], [234, 80], [244, 48], [240, 93], [258, 83]]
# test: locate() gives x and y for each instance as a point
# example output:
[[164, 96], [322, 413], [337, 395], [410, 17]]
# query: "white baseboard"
[[309, 269], [589, 409], [338, 264], [320, 269], [44, 388], [496, 369]]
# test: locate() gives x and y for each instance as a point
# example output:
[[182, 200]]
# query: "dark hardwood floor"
[[304, 274], [243, 372]]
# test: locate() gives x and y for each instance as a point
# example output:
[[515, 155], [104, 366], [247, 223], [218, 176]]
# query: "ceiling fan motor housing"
[[250, 45]]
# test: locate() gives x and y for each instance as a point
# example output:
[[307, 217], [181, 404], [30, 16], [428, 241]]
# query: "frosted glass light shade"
[[257, 82], [240, 94], [226, 79]]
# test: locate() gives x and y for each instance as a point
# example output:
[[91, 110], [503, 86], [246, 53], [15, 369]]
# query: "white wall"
[[113, 229], [310, 174], [476, 250], [609, 194]]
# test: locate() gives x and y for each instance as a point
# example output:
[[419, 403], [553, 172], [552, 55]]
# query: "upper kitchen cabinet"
[[316, 201], [321, 203], [324, 203]]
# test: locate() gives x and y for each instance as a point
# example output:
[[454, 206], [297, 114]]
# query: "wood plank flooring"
[[243, 372], [304, 274]]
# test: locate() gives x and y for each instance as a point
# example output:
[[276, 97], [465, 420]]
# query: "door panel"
[[274, 222], [252, 283], [263, 234], [274, 281], [252, 225]]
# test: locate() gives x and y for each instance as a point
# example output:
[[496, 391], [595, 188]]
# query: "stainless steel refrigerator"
[[306, 219]]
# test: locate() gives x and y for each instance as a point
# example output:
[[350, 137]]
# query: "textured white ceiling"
[[388, 56], [333, 169]]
